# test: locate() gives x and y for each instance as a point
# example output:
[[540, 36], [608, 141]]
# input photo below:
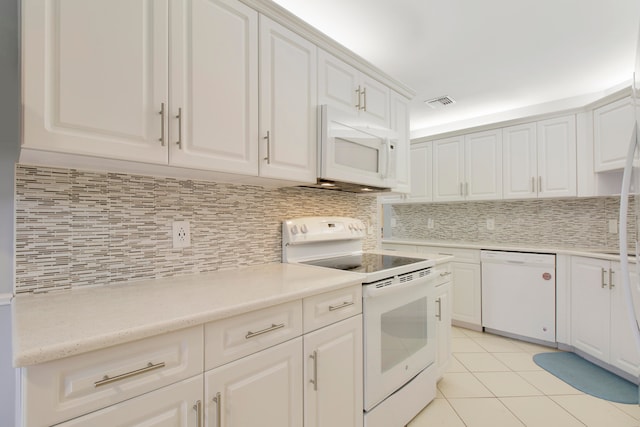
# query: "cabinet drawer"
[[66, 388], [443, 274], [330, 307], [235, 337], [460, 255], [175, 405]]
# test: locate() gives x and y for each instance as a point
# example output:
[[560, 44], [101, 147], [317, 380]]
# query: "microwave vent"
[[440, 102]]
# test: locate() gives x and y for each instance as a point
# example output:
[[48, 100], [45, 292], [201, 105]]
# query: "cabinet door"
[[483, 165], [466, 304], [264, 389], [519, 162], [178, 405], [448, 169], [95, 76], [337, 83], [400, 123], [443, 327], [612, 128], [624, 350], [421, 167], [288, 107], [375, 101], [590, 306], [557, 157], [333, 375], [214, 86]]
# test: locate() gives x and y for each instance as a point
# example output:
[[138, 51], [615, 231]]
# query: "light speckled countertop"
[[588, 252], [52, 326]]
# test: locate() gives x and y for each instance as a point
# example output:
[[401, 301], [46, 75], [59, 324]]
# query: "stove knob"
[[294, 229], [304, 228]]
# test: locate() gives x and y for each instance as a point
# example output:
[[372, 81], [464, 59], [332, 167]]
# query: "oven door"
[[399, 336]]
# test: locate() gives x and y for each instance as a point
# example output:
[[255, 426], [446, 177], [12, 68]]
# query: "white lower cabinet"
[[443, 317], [600, 326], [333, 375], [177, 405], [262, 389]]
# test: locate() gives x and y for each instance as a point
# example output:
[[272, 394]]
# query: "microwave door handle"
[[387, 159]]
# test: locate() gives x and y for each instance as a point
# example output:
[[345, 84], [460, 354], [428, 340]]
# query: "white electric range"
[[398, 313]]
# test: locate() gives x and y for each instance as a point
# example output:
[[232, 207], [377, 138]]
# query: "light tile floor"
[[492, 381]]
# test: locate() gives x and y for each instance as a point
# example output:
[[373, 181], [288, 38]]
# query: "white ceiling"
[[496, 58]]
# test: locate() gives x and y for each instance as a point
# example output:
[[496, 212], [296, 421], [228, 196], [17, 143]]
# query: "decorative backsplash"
[[571, 223], [76, 228]]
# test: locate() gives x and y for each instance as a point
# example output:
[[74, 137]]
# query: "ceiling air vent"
[[439, 102]]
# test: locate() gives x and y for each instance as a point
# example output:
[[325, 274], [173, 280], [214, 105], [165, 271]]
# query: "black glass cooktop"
[[364, 263]]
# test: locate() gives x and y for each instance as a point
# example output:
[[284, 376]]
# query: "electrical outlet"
[[491, 224], [181, 234], [430, 223], [613, 226]]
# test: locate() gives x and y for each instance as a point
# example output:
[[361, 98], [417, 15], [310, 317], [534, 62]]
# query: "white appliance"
[[630, 206], [399, 316], [352, 154], [519, 295]]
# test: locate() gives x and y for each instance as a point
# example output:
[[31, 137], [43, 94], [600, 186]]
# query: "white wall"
[[9, 146]]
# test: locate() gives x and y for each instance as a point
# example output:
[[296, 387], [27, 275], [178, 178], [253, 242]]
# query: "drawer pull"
[[273, 327], [198, 408], [218, 401], [445, 274], [343, 305], [108, 380]]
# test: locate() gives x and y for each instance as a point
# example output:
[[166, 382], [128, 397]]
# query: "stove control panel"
[[318, 229]]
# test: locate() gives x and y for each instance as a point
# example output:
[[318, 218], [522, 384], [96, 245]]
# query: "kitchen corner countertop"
[[65, 323], [602, 253]]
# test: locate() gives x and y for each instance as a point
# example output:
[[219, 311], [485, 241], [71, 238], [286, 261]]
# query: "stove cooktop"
[[365, 262]]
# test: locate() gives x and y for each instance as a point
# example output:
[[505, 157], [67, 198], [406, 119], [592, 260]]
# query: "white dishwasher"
[[519, 294]]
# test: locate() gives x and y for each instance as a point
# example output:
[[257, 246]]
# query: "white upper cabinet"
[[214, 86], [421, 172], [468, 167], [344, 87], [557, 157], [448, 169], [483, 165], [612, 128], [400, 124], [288, 104], [520, 161], [95, 77], [539, 159]]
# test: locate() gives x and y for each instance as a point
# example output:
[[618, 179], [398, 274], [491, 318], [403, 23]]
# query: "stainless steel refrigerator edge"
[[631, 192]]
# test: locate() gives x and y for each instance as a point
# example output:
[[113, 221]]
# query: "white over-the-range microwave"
[[354, 155]]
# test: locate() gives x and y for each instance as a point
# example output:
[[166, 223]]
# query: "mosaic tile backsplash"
[[569, 223], [76, 228]]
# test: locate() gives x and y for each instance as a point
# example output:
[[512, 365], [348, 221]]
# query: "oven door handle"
[[370, 291]]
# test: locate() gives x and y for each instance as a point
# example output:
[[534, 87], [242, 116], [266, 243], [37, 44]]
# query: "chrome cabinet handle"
[[439, 315], [268, 138], [611, 285], [179, 117], [343, 305], [162, 118], [533, 185], [108, 380], [358, 94], [604, 285], [445, 274], [273, 327], [314, 381], [466, 188], [198, 408], [539, 184], [364, 95], [218, 401]]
